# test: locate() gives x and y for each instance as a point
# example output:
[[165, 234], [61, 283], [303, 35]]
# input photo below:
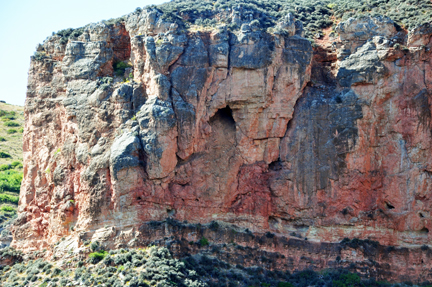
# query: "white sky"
[[25, 23]]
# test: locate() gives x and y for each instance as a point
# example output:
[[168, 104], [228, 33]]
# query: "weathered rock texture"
[[250, 128]]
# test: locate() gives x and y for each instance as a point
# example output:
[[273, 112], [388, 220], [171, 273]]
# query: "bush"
[[16, 164], [6, 198], [204, 242], [47, 268], [108, 260], [11, 124], [4, 167], [214, 226], [5, 115], [94, 246], [347, 280], [2, 139], [4, 154], [114, 21], [121, 259], [56, 271], [69, 33], [11, 131], [10, 180], [7, 208], [120, 67], [97, 256], [39, 56]]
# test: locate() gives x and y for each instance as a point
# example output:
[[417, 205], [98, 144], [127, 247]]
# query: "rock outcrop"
[[245, 127]]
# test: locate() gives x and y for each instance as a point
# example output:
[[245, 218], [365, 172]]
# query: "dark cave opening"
[[121, 51], [389, 205], [424, 230], [276, 165], [224, 115]]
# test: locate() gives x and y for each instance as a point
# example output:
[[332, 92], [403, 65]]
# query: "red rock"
[[274, 142]]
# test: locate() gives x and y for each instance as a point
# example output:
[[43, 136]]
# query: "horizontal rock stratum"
[[142, 120]]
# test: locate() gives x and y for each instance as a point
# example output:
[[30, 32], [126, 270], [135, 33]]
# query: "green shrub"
[[8, 198], [39, 56], [4, 113], [11, 131], [11, 124], [56, 271], [16, 164], [69, 33], [214, 225], [10, 180], [347, 280], [120, 67], [97, 256], [204, 242], [114, 21], [7, 116], [105, 83], [2, 139], [4, 154], [4, 167], [47, 268], [94, 246], [7, 208]]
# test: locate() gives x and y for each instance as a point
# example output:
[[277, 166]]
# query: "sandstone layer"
[[245, 127]]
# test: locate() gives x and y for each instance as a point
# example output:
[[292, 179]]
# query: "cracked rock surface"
[[244, 127]]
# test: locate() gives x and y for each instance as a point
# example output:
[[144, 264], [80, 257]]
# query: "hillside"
[[11, 135]]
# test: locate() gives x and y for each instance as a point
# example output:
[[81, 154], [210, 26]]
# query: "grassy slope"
[[12, 145]]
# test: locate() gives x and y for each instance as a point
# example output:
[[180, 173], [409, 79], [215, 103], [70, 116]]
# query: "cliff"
[[145, 119]]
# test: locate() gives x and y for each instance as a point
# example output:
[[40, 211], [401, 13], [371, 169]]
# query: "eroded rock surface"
[[232, 127]]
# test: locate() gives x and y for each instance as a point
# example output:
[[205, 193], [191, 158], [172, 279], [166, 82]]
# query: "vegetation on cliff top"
[[314, 14]]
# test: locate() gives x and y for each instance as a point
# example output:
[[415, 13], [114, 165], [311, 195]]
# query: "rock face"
[[245, 127]]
